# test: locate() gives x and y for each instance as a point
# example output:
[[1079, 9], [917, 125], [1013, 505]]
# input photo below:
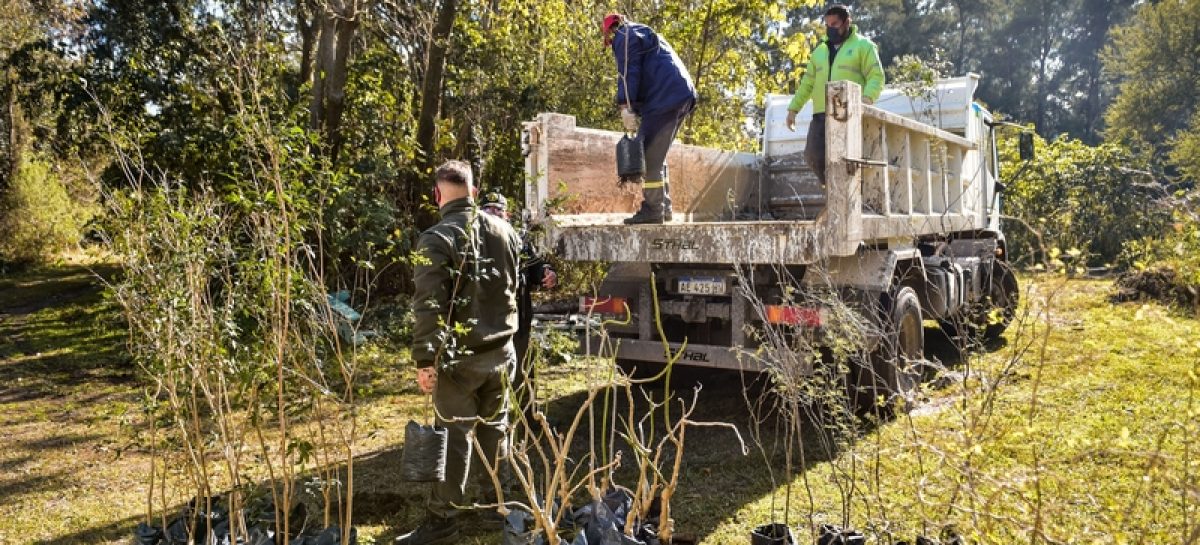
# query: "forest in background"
[[363, 96], [241, 178]]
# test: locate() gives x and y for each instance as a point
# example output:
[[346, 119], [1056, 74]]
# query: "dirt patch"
[[1164, 285]]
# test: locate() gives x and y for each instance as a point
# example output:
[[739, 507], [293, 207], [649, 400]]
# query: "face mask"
[[835, 35]]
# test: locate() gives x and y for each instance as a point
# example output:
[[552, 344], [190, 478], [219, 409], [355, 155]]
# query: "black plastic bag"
[[949, 536], [631, 159], [834, 535], [198, 524], [646, 533], [260, 512], [424, 457], [259, 536], [146, 534], [519, 530], [772, 534], [197, 518], [176, 532], [333, 536], [599, 524], [603, 522]]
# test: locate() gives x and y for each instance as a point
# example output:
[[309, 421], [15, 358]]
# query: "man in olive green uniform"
[[465, 304], [844, 56]]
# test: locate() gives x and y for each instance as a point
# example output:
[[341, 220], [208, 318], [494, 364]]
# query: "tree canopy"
[[371, 93]]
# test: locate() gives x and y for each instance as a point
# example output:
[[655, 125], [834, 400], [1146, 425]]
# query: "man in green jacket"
[[844, 56], [465, 304]]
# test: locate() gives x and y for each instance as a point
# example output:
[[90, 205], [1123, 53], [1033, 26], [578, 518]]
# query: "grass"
[[67, 401], [1085, 437], [1090, 437]]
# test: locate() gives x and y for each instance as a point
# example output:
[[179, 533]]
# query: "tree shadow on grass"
[[718, 478], [717, 481], [58, 333]]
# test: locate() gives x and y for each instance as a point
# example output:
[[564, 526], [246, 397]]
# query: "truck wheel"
[[639, 369], [890, 377], [987, 320], [1001, 301]]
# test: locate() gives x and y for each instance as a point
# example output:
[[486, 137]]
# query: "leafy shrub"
[[38, 215], [1166, 266], [1086, 201]]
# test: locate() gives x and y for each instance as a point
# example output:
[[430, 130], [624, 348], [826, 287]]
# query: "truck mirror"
[[1025, 146]]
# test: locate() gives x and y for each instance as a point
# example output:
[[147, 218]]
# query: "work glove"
[[629, 119]]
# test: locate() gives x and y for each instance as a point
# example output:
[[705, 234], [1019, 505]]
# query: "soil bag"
[[146, 534], [198, 519], [772, 534], [424, 457], [949, 536], [258, 536], [631, 159], [603, 522], [835, 535], [193, 523], [331, 536], [518, 529]]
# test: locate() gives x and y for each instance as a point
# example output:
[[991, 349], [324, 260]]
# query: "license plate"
[[701, 285]]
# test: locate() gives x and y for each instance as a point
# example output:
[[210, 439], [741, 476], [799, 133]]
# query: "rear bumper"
[[694, 355]]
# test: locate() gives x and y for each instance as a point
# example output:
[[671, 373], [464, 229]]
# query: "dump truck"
[[905, 229]]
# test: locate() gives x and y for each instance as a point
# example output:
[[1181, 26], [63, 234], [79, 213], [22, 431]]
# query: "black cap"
[[494, 198]]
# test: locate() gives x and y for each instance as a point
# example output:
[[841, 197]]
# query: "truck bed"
[[605, 238], [602, 237], [888, 177]]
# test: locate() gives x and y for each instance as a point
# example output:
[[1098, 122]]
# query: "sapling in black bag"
[[424, 456], [631, 158], [772, 534]]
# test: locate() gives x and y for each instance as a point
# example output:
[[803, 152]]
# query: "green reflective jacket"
[[465, 296], [857, 60]]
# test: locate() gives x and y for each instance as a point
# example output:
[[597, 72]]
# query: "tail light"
[[602, 305], [794, 315]]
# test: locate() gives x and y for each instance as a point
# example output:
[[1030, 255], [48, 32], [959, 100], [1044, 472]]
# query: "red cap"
[[611, 21]]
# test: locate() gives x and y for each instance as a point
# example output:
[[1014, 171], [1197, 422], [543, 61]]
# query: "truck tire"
[[1003, 297], [987, 320], [892, 373], [639, 370]]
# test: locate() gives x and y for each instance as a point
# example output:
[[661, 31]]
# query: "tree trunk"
[[307, 26], [1100, 15], [14, 146], [960, 57], [338, 22], [336, 94], [1043, 90], [431, 90], [324, 61]]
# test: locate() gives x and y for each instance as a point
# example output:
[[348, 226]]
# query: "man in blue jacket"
[[652, 83]]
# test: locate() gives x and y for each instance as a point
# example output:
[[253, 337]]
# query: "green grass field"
[[1079, 429]]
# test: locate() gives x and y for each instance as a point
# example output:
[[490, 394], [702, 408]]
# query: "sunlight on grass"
[[1088, 437]]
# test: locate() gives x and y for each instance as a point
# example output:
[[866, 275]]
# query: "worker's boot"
[[652, 204]]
